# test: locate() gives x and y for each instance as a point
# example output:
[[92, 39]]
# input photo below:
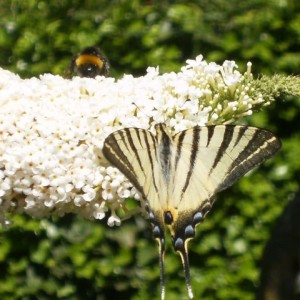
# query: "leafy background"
[[72, 258]]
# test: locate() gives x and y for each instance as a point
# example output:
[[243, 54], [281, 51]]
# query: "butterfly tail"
[[161, 243], [159, 235], [182, 249]]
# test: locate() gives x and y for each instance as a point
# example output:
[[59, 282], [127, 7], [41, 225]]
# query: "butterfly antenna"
[[182, 249], [159, 235]]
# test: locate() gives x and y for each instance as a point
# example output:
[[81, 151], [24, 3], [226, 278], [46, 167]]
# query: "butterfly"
[[179, 175]]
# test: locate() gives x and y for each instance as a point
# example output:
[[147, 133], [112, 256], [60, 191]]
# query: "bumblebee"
[[89, 63]]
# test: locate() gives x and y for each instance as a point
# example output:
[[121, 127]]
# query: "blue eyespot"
[[198, 217], [156, 231], [189, 231], [151, 216], [179, 244]]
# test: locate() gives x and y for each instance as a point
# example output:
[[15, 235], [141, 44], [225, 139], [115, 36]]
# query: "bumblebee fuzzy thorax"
[[89, 63]]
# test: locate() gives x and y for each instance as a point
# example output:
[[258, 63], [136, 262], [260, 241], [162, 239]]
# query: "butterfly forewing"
[[127, 150], [223, 155]]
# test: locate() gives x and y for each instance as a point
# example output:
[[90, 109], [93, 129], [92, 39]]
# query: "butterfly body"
[[179, 175]]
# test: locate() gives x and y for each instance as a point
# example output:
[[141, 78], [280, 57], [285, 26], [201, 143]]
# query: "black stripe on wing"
[[261, 146], [129, 133], [241, 132], [179, 148], [210, 133], [114, 149], [153, 141], [227, 138], [194, 152]]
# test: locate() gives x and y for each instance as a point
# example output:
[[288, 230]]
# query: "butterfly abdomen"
[[164, 151]]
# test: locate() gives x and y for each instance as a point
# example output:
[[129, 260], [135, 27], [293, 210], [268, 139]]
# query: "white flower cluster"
[[52, 131]]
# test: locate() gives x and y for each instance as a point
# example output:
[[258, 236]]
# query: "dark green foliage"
[[280, 262], [72, 258]]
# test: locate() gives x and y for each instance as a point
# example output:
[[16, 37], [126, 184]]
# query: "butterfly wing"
[[212, 158], [134, 152], [207, 160]]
